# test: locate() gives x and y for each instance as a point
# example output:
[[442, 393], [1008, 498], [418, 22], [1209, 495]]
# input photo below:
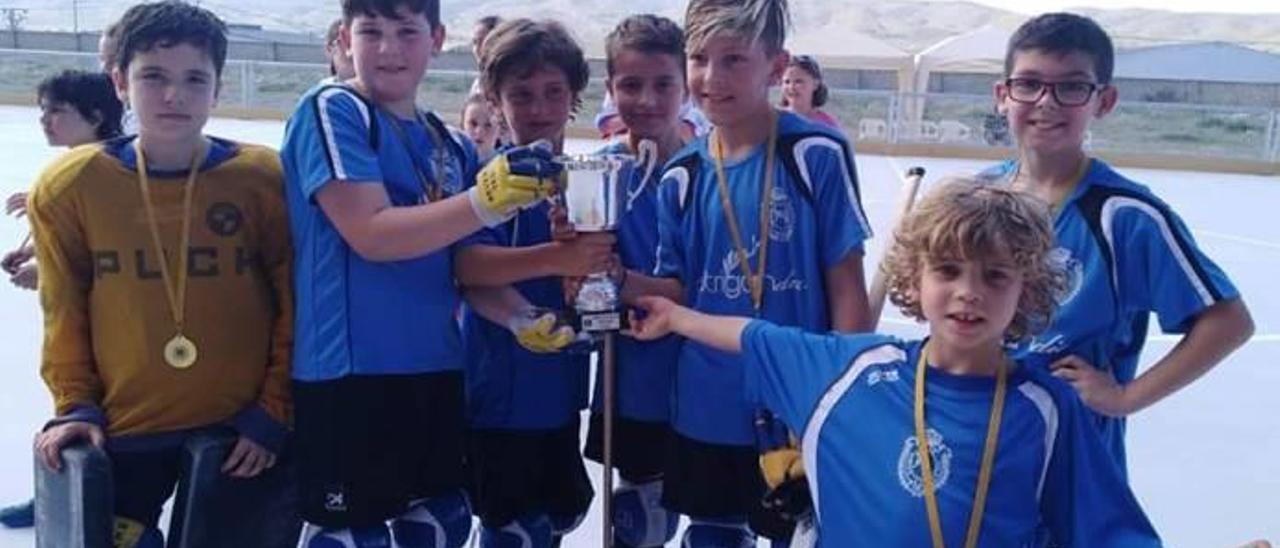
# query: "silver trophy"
[[598, 192]]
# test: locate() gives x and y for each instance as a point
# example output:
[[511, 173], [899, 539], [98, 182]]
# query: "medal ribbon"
[[177, 295], [754, 281], [433, 190], [988, 456]]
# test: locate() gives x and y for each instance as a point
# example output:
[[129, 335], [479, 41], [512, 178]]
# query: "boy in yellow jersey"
[[164, 277]]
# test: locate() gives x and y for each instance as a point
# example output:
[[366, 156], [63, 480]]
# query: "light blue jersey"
[[645, 370], [816, 222], [359, 317], [1127, 255], [851, 397]]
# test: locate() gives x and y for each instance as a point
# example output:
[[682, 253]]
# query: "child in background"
[[480, 123], [803, 91], [1128, 253], [76, 108], [165, 279], [943, 441]]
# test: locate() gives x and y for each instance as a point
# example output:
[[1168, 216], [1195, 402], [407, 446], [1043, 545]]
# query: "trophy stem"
[[607, 389]]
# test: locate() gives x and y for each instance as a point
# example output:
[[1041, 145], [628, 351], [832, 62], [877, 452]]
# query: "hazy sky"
[[1229, 6]]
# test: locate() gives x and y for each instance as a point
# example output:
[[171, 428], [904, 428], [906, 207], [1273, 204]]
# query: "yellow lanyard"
[[988, 456], [754, 281], [177, 295], [433, 192]]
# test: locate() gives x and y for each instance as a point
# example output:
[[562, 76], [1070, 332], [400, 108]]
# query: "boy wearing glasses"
[[1126, 253]]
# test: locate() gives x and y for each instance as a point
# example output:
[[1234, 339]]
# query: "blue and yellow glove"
[[516, 178]]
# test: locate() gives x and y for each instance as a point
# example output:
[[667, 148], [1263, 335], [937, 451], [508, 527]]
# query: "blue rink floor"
[[1203, 463]]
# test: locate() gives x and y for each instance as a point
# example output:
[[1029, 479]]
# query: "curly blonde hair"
[[965, 219]]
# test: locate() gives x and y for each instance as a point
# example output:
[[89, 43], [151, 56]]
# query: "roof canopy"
[[1199, 62]]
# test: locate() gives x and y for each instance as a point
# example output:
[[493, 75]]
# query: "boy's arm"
[[338, 167], [847, 295], [1216, 333], [1161, 269], [540, 332], [1085, 499], [494, 265], [663, 316], [843, 228], [266, 421], [66, 274]]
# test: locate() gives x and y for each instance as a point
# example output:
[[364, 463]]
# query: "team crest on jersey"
[[782, 216], [1060, 258], [910, 473]]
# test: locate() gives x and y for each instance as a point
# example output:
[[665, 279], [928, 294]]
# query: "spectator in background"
[[480, 123], [803, 91], [340, 67], [484, 26]]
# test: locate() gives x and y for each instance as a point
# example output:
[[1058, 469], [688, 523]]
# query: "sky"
[[1216, 6]]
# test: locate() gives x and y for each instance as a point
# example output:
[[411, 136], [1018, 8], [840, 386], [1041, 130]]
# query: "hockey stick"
[[879, 283]]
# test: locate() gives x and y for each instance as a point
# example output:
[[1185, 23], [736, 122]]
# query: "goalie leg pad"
[[718, 533], [530, 531], [376, 536], [443, 521], [638, 516]]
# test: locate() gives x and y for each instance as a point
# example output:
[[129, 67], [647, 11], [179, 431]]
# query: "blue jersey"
[[359, 317], [816, 221], [852, 398], [645, 370], [1127, 254], [509, 387]]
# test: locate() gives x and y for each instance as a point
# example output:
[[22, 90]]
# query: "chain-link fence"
[[1190, 130]]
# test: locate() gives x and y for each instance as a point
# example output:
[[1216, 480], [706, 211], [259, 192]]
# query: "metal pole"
[[606, 374]]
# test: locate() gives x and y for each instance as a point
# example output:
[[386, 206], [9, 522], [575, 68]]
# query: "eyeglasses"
[[1067, 94]]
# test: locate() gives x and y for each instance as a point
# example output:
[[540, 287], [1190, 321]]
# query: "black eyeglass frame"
[[1052, 87]]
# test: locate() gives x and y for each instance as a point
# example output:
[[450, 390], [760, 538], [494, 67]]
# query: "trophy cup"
[[596, 195], [598, 192]]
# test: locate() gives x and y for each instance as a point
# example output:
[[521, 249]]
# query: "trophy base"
[[602, 322]]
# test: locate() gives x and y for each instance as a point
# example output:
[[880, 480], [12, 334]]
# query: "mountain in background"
[[905, 24]]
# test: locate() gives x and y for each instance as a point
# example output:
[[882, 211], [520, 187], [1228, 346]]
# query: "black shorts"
[[639, 448], [711, 480], [369, 445], [519, 472]]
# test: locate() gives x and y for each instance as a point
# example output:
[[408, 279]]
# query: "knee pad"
[[314, 536], [638, 516], [442, 521], [713, 533], [129, 533], [526, 532]]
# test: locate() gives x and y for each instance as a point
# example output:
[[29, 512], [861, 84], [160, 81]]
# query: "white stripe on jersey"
[[800, 151], [885, 353], [1049, 412], [681, 176], [326, 126], [1109, 210]]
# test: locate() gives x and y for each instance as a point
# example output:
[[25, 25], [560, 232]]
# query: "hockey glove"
[[514, 179], [541, 334]]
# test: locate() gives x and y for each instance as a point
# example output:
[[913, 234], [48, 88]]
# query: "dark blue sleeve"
[[670, 253], [1159, 266], [788, 370], [1085, 501], [837, 199]]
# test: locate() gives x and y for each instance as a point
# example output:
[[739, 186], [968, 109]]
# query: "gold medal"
[[180, 352]]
